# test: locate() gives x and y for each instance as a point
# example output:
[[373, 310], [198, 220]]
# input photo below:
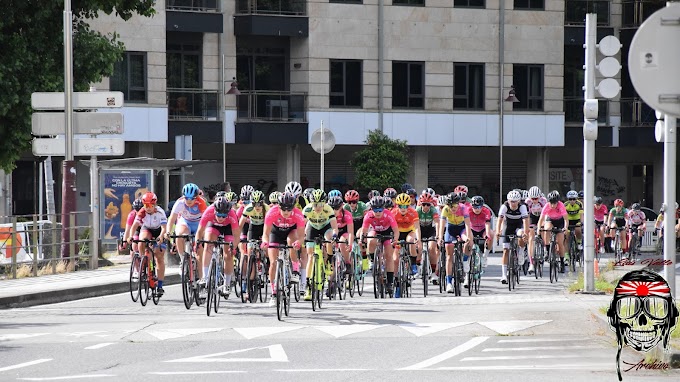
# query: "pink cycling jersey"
[[275, 218], [478, 220], [601, 212], [636, 217], [535, 207], [344, 219], [131, 218], [209, 217], [556, 213], [384, 223]]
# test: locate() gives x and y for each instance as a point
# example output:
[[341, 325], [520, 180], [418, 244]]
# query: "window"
[[347, 1], [129, 77], [469, 3], [409, 2], [530, 4], [576, 10], [528, 81], [468, 86], [408, 79], [184, 51], [345, 83]]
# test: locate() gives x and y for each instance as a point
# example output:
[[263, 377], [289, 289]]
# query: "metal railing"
[[575, 11], [634, 12], [636, 113], [573, 110], [32, 245], [193, 104], [193, 5], [272, 7], [271, 106]]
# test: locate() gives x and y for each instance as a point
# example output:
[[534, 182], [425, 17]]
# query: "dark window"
[[408, 79], [576, 10], [184, 51], [469, 3], [409, 2], [347, 1], [528, 82], [530, 4], [345, 83], [634, 12], [129, 76], [468, 86]]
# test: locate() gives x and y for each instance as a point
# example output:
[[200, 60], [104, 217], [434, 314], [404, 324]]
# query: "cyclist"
[[617, 219], [136, 206], [516, 218], [463, 190], [554, 215], [535, 204], [283, 224], [152, 220], [581, 195], [658, 225], [358, 209], [414, 197], [253, 214], [635, 220], [345, 223], [575, 217], [454, 225], [295, 189], [307, 195], [333, 193], [274, 198], [244, 200], [480, 223], [390, 193], [428, 215], [321, 221], [219, 220], [186, 212], [442, 200], [408, 223], [383, 223], [231, 198], [600, 215], [405, 187]]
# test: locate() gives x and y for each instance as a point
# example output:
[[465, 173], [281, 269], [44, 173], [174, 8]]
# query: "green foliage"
[[32, 59], [382, 163]]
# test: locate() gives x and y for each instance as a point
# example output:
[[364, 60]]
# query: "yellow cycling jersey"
[[256, 218], [320, 219], [573, 210], [454, 218]]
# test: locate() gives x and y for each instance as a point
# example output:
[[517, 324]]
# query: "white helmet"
[[534, 192], [514, 196], [441, 201], [294, 188], [572, 195], [525, 194]]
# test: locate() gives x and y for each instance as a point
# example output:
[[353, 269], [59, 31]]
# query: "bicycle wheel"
[[286, 295], [312, 282], [360, 279], [509, 275], [425, 270], [134, 277], [517, 274], [251, 281], [187, 293], [219, 280], [441, 268], [279, 289], [552, 263], [210, 286], [376, 276], [144, 281], [478, 274], [538, 263], [319, 282], [471, 274], [456, 274], [572, 254], [340, 280], [238, 277], [197, 297]]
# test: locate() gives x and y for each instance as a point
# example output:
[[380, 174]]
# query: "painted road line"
[[533, 356], [276, 354], [543, 340], [317, 370], [545, 348], [25, 364], [20, 336], [99, 346], [250, 333], [511, 326], [197, 372], [580, 366], [180, 332], [446, 355], [338, 331], [84, 376], [420, 330]]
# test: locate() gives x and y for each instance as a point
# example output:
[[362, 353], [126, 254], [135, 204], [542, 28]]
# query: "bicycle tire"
[[238, 277], [144, 282], [551, 262], [210, 286], [509, 272], [279, 289], [471, 275], [360, 282], [319, 282], [478, 273], [572, 253], [425, 270], [342, 287], [218, 287], [286, 297], [134, 281], [251, 283], [186, 281], [376, 278], [239, 282], [456, 275], [517, 276]]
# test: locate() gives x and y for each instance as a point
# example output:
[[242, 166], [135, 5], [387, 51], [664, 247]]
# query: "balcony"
[[192, 5], [636, 113], [271, 18], [634, 12], [573, 111], [576, 10], [201, 16], [193, 104], [271, 117]]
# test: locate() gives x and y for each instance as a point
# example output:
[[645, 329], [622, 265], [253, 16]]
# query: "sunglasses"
[[453, 204], [317, 205], [337, 208], [354, 202], [476, 207], [221, 215], [258, 204], [534, 198], [149, 205], [377, 209], [190, 198], [426, 204], [287, 209], [572, 199], [403, 207]]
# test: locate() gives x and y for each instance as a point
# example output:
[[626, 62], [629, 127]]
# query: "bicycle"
[[379, 271], [599, 244], [574, 251], [475, 274], [336, 282], [512, 272], [356, 277], [403, 276], [237, 278], [215, 275], [553, 258], [135, 267], [189, 274], [457, 270], [425, 268], [257, 282], [635, 242], [316, 283], [148, 274], [282, 281], [441, 268], [618, 250], [538, 255]]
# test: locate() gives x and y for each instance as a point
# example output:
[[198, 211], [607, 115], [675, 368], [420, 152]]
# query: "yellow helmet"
[[403, 200]]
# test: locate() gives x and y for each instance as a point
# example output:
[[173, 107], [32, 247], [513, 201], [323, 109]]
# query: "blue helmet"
[[190, 190], [333, 193]]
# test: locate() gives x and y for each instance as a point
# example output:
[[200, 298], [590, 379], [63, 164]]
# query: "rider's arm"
[[468, 228], [171, 222], [334, 225], [242, 221], [265, 233], [440, 228], [134, 227]]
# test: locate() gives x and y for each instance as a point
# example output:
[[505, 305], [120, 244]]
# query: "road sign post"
[[323, 142]]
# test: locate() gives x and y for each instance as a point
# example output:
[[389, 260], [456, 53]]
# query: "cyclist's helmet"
[[318, 196], [220, 194], [137, 204], [453, 197], [390, 193], [426, 199], [572, 194], [461, 188], [442, 200], [222, 206], [274, 197], [403, 200], [190, 190], [286, 200], [294, 188], [389, 203], [514, 196], [429, 191], [373, 194], [525, 194], [257, 197], [581, 194], [661, 210], [554, 196], [405, 187], [231, 197], [477, 201], [335, 202], [307, 193], [412, 192], [618, 203], [351, 196], [534, 192], [333, 193], [149, 198], [636, 206], [378, 202], [246, 191], [598, 200]]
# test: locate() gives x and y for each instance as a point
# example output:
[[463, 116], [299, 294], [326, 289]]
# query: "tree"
[[32, 59], [382, 163]]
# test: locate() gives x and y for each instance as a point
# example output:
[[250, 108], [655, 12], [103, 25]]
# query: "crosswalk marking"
[[420, 330], [25, 364], [578, 366], [250, 333], [448, 354], [338, 331], [179, 333], [276, 354], [543, 340], [543, 348], [511, 326], [518, 357]]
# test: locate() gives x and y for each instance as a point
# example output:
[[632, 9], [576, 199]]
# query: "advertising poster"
[[120, 189]]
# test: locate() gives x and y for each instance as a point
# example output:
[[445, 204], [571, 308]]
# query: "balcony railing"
[[573, 110], [634, 12], [193, 5], [636, 113], [575, 11], [193, 104], [272, 7], [271, 106]]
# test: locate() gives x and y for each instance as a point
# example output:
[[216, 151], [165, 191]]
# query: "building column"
[[538, 167], [418, 169], [288, 165]]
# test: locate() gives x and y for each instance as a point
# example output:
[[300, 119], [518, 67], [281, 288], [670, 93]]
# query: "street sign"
[[81, 147], [328, 140], [83, 123], [654, 59], [81, 100]]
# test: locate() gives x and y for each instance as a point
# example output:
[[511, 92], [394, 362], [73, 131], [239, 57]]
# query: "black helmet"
[[405, 187], [335, 202], [636, 206], [373, 194], [378, 202], [286, 201], [477, 201], [222, 206], [553, 196], [411, 192], [454, 197], [598, 200], [137, 204], [389, 203]]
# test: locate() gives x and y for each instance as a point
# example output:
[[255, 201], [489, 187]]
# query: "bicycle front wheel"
[[144, 281], [279, 290], [210, 286], [134, 277], [187, 293]]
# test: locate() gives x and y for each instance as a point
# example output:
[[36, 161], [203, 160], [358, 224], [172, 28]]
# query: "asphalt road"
[[536, 333]]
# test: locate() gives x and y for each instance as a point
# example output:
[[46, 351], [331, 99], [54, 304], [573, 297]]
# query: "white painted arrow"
[[179, 333], [420, 330], [507, 327], [276, 354], [250, 333]]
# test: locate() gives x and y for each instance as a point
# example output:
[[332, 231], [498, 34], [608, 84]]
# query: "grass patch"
[[601, 285]]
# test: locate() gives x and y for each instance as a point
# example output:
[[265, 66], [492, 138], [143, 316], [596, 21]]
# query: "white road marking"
[[81, 334], [250, 333], [276, 354], [179, 333], [446, 355], [99, 346], [338, 331], [543, 340], [534, 356], [589, 366], [510, 326], [317, 370], [544, 348], [194, 372], [420, 330], [19, 336], [85, 376], [25, 364]]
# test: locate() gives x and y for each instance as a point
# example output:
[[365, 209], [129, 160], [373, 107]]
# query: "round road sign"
[[609, 46], [328, 141], [609, 67]]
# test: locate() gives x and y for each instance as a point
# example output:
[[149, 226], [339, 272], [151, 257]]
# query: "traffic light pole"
[[68, 190], [589, 160]]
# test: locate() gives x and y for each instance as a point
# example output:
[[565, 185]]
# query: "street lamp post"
[[511, 98], [233, 90]]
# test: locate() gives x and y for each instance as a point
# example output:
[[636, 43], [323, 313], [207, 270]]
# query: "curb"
[[52, 297]]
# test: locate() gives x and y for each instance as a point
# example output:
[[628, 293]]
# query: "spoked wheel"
[[456, 274], [376, 279], [187, 292], [155, 297], [238, 278], [280, 293], [360, 278], [197, 290], [251, 282], [312, 283], [511, 270], [218, 290], [319, 283], [135, 277], [441, 268], [424, 271], [572, 254], [144, 281], [210, 286], [478, 278], [340, 284]]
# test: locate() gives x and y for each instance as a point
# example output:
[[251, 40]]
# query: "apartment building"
[[251, 80]]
